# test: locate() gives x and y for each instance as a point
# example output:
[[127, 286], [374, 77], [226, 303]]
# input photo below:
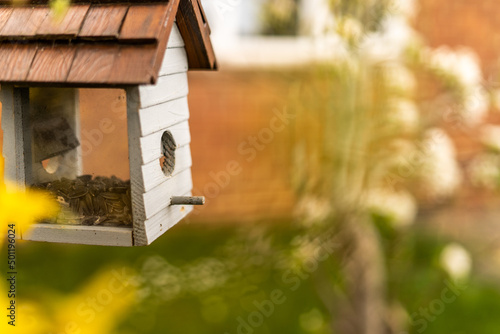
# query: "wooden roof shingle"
[[98, 44]]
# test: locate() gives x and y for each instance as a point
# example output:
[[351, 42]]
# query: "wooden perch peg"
[[187, 200]]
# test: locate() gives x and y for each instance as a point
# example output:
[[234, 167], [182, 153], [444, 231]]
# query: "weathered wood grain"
[[203, 16], [93, 63], [4, 15], [24, 21], [10, 133], [152, 175], [86, 235], [187, 200], [174, 61], [51, 64], [167, 88], [169, 22], [196, 34], [144, 22], [103, 21], [15, 61], [17, 134], [135, 164], [163, 115], [151, 144], [134, 65], [68, 26]]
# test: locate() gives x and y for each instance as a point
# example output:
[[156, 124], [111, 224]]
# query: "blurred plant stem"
[[336, 128]]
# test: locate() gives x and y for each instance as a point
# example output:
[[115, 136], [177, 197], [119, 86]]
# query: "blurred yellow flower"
[[96, 309], [99, 306], [22, 207], [59, 7]]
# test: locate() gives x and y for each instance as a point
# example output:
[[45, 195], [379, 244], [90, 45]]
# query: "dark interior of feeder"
[[80, 154]]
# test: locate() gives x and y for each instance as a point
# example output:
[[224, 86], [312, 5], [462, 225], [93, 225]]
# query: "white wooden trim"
[[76, 234], [151, 144], [135, 164], [168, 87], [163, 115], [17, 134], [9, 133], [174, 61], [153, 174]]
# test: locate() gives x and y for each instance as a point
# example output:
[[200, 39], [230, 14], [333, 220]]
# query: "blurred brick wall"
[[233, 115], [475, 24]]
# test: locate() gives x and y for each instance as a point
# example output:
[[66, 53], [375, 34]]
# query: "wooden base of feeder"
[[86, 235]]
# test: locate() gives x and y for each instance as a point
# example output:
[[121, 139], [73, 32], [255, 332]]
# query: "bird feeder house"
[[144, 48]]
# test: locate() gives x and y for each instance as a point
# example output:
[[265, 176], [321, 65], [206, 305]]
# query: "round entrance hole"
[[168, 146]]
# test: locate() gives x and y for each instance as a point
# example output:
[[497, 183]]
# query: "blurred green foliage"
[[252, 259]]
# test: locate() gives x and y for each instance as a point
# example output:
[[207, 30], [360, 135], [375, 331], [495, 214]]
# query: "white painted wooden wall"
[[152, 110]]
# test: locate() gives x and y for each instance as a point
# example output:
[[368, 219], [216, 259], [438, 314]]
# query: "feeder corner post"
[[17, 134]]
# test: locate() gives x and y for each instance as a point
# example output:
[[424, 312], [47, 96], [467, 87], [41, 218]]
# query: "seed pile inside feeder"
[[92, 201]]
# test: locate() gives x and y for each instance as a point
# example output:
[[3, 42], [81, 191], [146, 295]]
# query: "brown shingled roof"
[[98, 44]]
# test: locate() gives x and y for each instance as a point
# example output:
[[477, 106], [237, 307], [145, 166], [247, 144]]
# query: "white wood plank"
[[175, 39], [15, 105], [165, 219], [159, 197], [9, 133], [151, 144], [23, 141], [86, 235], [153, 175], [135, 164], [163, 115], [174, 61], [168, 87]]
